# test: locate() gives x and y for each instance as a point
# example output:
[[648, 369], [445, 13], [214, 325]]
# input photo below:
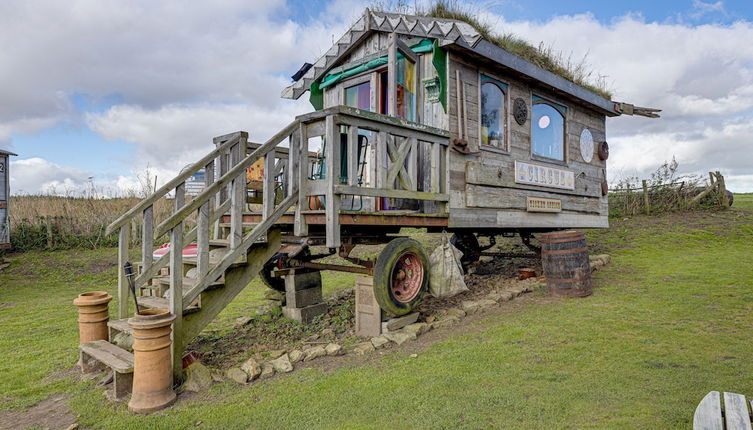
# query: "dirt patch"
[[51, 413]]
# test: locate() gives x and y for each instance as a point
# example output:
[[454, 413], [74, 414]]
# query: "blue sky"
[[106, 89]]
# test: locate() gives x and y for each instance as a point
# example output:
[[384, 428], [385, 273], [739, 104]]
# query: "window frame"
[[355, 81], [505, 148], [562, 109]]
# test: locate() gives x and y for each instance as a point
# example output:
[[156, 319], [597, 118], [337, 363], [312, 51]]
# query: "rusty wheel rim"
[[407, 277]]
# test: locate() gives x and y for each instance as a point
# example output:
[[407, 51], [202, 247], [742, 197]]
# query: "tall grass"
[[64, 222]]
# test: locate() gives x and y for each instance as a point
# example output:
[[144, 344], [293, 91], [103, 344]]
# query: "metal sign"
[[543, 204], [2, 167], [543, 176]]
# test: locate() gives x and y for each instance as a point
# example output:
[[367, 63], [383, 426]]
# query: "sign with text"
[[543, 204], [543, 176]]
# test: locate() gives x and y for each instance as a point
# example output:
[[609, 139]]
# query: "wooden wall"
[[483, 191]]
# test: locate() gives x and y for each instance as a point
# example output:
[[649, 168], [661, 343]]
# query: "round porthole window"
[[586, 145]]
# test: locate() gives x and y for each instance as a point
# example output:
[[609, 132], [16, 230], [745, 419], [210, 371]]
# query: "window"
[[493, 112], [359, 96], [406, 89], [548, 134]]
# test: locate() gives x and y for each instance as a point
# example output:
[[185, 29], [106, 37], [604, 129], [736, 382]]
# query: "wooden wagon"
[[418, 122]]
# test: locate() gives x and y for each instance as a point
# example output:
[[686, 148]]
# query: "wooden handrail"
[[163, 190], [236, 171]]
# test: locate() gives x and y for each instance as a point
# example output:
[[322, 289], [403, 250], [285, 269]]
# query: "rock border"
[[284, 361]]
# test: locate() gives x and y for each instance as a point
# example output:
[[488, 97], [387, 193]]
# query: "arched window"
[[493, 112], [548, 134]]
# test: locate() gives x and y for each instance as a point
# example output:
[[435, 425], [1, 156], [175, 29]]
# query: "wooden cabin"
[[5, 199], [418, 122], [529, 147]]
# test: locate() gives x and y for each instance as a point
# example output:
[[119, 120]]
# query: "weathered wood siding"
[[483, 191]]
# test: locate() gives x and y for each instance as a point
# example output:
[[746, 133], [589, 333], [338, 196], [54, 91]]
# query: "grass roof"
[[543, 56]]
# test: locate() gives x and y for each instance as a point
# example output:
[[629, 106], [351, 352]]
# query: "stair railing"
[[145, 209]]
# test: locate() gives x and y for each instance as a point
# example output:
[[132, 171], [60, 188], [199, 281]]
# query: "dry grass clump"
[[63, 222], [543, 56]]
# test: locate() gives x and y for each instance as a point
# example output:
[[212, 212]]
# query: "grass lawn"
[[670, 320]]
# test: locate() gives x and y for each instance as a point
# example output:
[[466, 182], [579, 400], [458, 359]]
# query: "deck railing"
[[392, 159]]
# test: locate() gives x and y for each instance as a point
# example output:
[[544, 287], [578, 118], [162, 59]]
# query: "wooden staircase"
[[238, 251], [230, 252]]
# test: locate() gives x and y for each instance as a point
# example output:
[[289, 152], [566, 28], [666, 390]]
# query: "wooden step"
[[190, 282], [115, 358], [121, 326], [219, 243], [151, 302], [193, 261], [94, 355]]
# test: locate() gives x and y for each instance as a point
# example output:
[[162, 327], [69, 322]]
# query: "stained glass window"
[[359, 96], [406, 89], [548, 126], [493, 112]]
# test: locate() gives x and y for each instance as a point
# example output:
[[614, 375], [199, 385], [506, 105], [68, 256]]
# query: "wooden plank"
[[123, 247], [393, 153], [736, 413], [292, 172], [353, 155], [392, 75], [147, 237], [391, 193], [332, 202], [300, 227], [398, 156], [412, 161], [202, 225], [237, 200], [268, 196], [479, 196], [170, 185], [176, 276], [708, 413], [116, 358]]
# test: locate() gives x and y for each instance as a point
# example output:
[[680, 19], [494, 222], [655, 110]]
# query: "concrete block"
[[303, 298], [368, 312], [306, 314], [302, 279]]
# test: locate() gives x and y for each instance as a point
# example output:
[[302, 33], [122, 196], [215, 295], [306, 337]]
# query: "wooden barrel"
[[564, 257]]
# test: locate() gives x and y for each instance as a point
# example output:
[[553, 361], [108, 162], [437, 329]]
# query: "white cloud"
[[34, 175]]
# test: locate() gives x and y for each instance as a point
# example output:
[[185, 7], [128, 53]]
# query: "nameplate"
[[543, 204], [543, 176]]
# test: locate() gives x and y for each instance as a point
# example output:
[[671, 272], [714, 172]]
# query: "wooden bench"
[[99, 354], [712, 415]]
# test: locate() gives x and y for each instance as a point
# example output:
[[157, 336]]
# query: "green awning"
[[439, 61]]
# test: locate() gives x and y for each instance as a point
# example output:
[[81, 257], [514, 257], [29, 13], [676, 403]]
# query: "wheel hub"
[[407, 277]]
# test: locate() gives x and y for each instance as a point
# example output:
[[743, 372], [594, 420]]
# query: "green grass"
[[670, 320]]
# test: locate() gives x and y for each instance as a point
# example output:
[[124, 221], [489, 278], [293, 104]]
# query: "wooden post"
[[332, 200], [202, 226], [301, 228], [176, 283], [237, 200], [722, 190], [646, 200], [392, 75], [147, 239], [123, 239], [352, 155]]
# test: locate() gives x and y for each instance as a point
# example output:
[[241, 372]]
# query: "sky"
[[109, 93]]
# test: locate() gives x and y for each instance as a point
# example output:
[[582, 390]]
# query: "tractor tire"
[[401, 276]]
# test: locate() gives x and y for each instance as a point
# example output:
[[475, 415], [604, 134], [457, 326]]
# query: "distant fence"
[[683, 194]]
